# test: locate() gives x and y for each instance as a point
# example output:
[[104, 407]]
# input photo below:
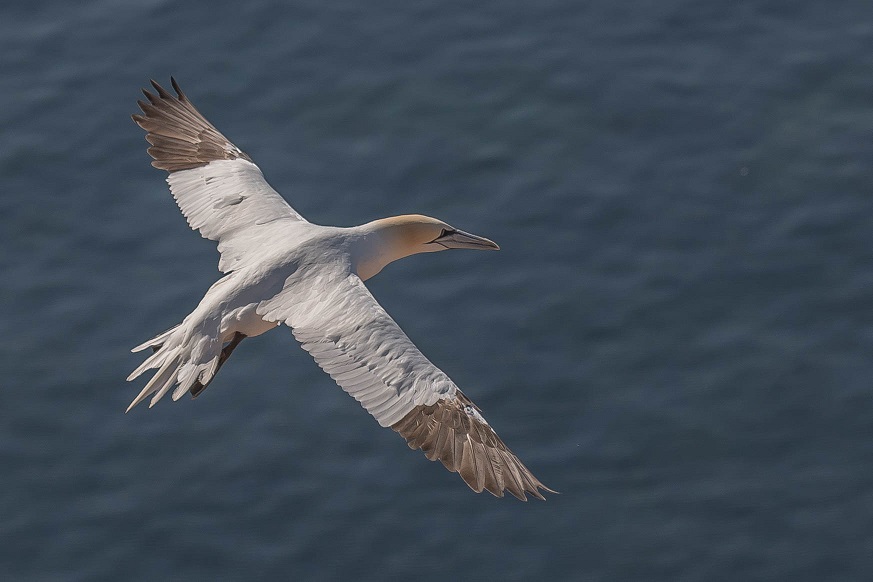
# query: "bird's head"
[[389, 239], [416, 233]]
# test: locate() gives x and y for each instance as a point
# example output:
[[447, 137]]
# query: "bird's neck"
[[379, 243]]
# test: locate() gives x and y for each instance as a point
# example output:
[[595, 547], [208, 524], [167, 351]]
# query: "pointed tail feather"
[[165, 375], [156, 360], [179, 364], [156, 342], [168, 356]]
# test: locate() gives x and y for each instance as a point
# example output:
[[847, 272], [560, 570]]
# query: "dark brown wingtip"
[[472, 449], [184, 138], [161, 91], [180, 95], [153, 99]]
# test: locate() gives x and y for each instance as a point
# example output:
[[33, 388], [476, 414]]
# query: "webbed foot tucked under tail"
[[197, 387]]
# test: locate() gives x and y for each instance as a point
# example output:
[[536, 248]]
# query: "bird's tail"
[[185, 359]]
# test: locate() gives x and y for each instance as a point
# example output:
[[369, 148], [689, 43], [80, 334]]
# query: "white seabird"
[[280, 268]]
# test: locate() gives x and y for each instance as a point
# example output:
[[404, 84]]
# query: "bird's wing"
[[218, 188], [352, 338]]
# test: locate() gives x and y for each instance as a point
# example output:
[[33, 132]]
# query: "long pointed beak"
[[459, 239]]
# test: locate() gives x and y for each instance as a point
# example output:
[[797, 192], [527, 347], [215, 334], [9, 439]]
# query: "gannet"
[[279, 268]]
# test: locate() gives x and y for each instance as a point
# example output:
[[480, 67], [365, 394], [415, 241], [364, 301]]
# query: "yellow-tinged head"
[[410, 234], [416, 233]]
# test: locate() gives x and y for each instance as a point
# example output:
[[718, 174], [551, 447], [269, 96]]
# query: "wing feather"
[[219, 189], [356, 342]]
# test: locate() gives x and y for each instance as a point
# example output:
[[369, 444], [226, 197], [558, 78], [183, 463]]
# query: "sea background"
[[677, 334]]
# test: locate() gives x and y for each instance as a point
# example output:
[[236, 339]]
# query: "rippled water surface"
[[677, 334]]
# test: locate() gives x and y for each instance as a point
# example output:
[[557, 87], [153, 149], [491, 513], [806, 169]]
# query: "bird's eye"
[[443, 233]]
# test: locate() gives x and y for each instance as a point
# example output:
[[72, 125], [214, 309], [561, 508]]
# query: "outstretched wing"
[[352, 338], [218, 188]]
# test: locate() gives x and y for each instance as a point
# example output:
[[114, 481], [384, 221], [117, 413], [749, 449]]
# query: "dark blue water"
[[677, 334]]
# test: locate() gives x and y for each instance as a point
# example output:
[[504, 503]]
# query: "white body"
[[311, 280]]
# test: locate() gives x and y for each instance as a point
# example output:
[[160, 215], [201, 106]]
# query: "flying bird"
[[281, 269]]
